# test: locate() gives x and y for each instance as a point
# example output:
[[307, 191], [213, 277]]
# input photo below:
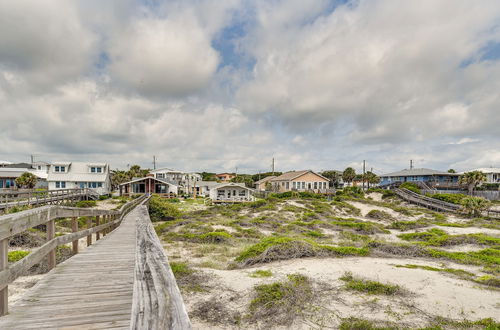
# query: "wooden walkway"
[[91, 290], [50, 197]]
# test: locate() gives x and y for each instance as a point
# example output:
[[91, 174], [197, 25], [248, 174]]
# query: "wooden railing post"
[[97, 223], [51, 233], [74, 227], [4, 293], [89, 225]]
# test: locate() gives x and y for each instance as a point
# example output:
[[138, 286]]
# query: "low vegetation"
[[86, 204], [160, 209], [281, 302], [15, 256], [369, 286]]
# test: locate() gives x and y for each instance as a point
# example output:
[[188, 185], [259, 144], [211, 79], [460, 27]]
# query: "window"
[[56, 169], [287, 185], [315, 185], [303, 185], [294, 185], [99, 170], [39, 167], [61, 169], [1, 183], [160, 175], [92, 170], [60, 184], [242, 193]]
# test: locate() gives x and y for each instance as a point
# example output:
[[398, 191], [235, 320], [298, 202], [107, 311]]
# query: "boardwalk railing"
[[15, 223], [433, 203], [22, 198], [157, 302]]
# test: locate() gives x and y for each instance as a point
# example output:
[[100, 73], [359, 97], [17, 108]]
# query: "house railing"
[[104, 221]]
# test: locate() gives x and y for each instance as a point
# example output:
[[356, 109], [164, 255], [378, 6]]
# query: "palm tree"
[[349, 174], [371, 178], [472, 180], [27, 180], [118, 177], [475, 205]]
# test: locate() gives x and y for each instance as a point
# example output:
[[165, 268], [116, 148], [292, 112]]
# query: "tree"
[[348, 175], [371, 178], [475, 205], [118, 177], [136, 171], [208, 176], [452, 171], [27, 180], [472, 180], [243, 178], [333, 176], [260, 176]]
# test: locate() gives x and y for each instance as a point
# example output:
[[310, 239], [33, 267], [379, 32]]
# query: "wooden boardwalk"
[[91, 290]]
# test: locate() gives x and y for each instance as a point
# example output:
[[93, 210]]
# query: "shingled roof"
[[418, 172], [288, 176]]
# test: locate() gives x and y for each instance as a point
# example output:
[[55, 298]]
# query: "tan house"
[[300, 181], [225, 177], [261, 184]]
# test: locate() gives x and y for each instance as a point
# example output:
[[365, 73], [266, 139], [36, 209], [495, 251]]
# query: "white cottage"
[[70, 175], [231, 193]]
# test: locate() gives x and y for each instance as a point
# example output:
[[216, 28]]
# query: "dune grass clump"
[[282, 248], [354, 323], [160, 209], [86, 204], [261, 273], [369, 286], [378, 215], [363, 227], [454, 271], [345, 207], [438, 237], [187, 278], [282, 301], [15, 256], [407, 225]]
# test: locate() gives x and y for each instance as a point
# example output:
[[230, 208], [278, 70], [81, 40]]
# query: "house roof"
[[288, 176], [79, 172], [264, 180], [207, 183], [231, 184], [418, 172], [148, 177], [225, 174], [485, 170]]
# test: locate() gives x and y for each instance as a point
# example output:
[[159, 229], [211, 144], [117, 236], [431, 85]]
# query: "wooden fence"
[[15, 223], [22, 198]]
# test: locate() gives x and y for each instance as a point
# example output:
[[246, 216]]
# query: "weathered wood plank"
[[157, 302]]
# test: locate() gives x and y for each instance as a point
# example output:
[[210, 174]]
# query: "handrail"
[[39, 197], [15, 223], [157, 302]]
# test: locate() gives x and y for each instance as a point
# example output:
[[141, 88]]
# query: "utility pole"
[[154, 162], [272, 166], [32, 159], [364, 167], [411, 164]]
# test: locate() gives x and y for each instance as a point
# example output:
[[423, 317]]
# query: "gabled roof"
[[267, 178], [231, 184], [148, 177], [224, 174], [288, 176], [418, 172], [485, 170]]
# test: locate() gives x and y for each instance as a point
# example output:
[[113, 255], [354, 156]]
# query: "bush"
[[104, 197], [161, 210], [261, 273], [86, 204], [356, 192], [449, 198], [388, 194], [411, 186], [15, 256], [215, 237]]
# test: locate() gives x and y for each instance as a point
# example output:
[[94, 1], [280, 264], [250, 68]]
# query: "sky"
[[210, 85]]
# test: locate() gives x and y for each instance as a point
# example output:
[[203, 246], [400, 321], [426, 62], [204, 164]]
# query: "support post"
[[4, 293], [51, 233], [89, 225], [74, 227], [97, 223]]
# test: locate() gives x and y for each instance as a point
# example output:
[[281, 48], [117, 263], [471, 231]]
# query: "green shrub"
[[86, 204], [180, 269], [103, 197], [407, 225], [356, 192], [160, 209], [15, 256], [368, 286], [449, 198], [388, 194], [411, 186], [353, 323]]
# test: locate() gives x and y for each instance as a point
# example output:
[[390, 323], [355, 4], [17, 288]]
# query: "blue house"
[[425, 175]]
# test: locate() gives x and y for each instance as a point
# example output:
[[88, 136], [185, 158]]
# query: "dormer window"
[[95, 169], [60, 169]]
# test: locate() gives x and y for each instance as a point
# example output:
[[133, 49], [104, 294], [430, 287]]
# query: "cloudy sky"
[[214, 85]]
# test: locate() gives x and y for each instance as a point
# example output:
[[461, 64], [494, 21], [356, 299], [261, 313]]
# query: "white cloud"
[[44, 42]]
